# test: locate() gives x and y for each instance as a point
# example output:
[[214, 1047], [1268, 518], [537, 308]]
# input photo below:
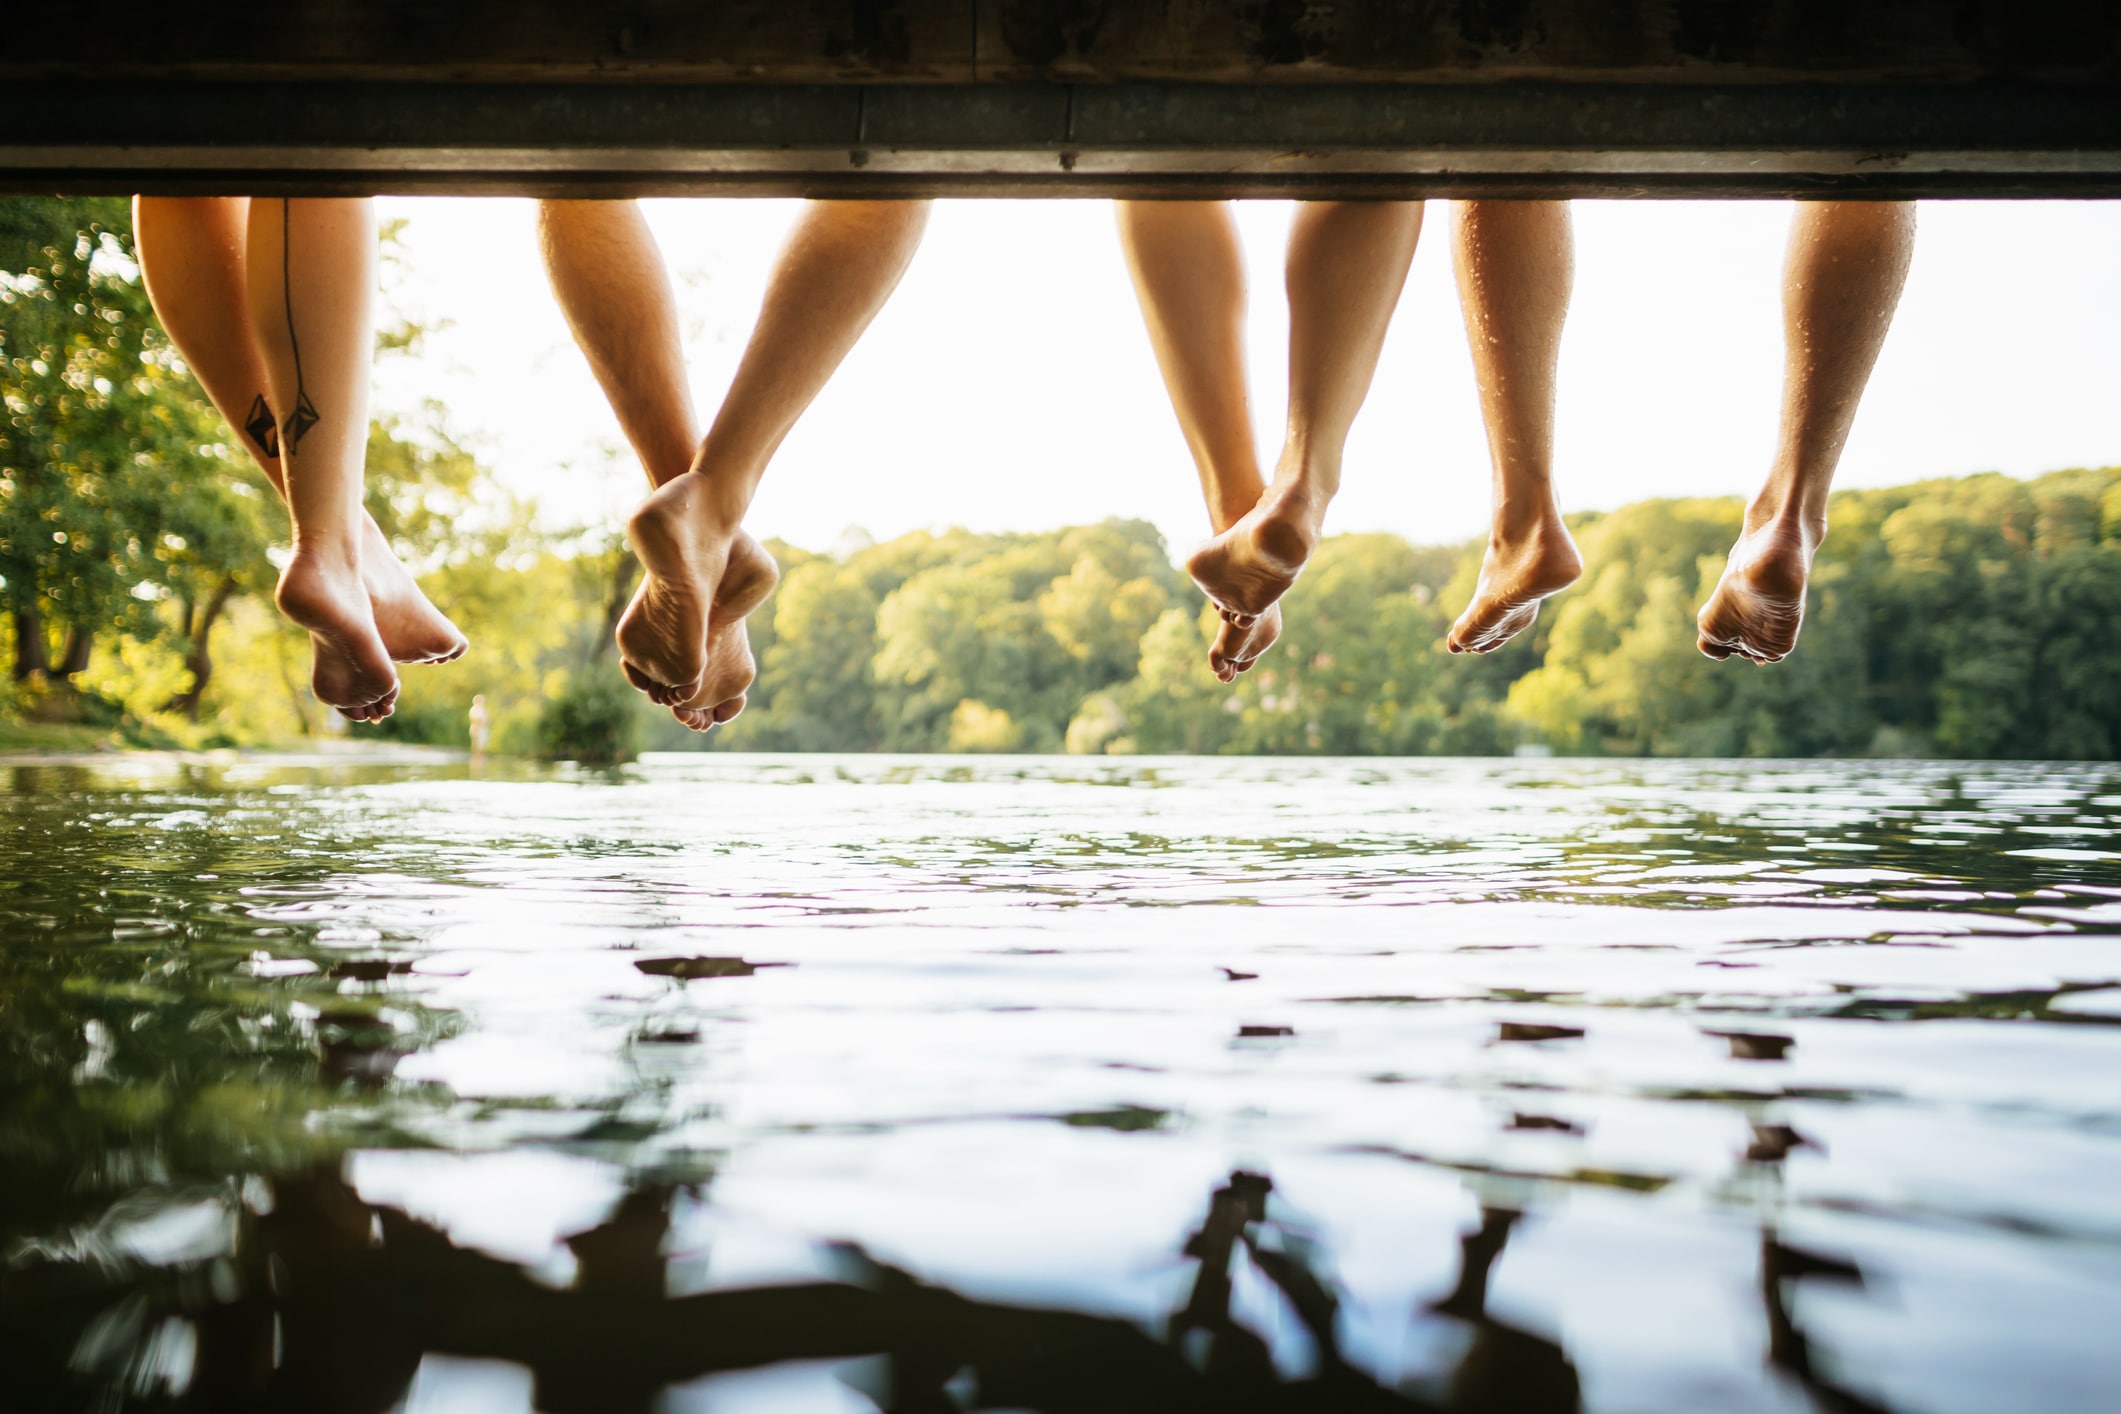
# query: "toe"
[[1712, 648], [727, 711]]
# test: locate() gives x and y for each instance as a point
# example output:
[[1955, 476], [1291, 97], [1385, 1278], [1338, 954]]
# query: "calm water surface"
[[918, 1084]]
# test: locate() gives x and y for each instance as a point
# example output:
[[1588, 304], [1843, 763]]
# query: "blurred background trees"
[[1968, 617]]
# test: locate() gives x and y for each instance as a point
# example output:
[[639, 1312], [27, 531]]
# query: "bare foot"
[[662, 636], [1244, 570], [748, 579], [688, 545], [413, 630], [1236, 649], [351, 668], [1758, 605], [1515, 575]]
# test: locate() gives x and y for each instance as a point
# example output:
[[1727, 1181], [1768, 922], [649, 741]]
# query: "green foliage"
[[118, 491], [1965, 618], [590, 718], [1969, 617]]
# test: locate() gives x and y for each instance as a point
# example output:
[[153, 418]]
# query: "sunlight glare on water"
[[1057, 1082]]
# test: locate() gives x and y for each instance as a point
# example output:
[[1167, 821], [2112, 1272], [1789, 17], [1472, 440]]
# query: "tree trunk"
[[199, 661], [79, 643], [30, 655]]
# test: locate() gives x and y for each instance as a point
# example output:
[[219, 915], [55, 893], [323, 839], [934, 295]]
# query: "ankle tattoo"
[[305, 414], [263, 428]]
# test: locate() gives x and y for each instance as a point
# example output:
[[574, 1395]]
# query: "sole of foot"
[[1245, 570], [351, 670], [1516, 576], [730, 668], [662, 636], [698, 569], [1236, 649], [412, 628], [1757, 608]]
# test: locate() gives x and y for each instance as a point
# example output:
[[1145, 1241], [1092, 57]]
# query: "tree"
[[117, 488]]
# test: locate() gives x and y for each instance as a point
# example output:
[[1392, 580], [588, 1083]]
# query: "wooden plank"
[[1064, 140], [1638, 41], [1086, 41], [489, 41]]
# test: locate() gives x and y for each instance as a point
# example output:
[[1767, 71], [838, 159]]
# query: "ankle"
[[1526, 520], [1771, 516], [334, 557], [701, 504], [1297, 512], [1309, 465]]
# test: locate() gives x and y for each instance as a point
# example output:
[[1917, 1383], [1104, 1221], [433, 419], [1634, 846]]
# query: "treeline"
[[1973, 617]]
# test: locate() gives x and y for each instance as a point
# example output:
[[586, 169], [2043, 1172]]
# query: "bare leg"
[[1841, 282], [607, 272], [192, 253], [1515, 262], [1189, 275], [1346, 263], [312, 278], [839, 265]]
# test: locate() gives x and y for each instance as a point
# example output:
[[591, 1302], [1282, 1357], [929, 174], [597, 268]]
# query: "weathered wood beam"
[[1063, 139], [1067, 97], [1082, 41]]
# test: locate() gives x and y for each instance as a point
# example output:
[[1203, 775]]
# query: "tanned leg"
[[1841, 283], [312, 279], [1189, 274], [608, 274], [193, 255], [1346, 263], [1515, 262], [681, 640]]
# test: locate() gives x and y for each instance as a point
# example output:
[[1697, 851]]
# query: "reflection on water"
[[919, 1084]]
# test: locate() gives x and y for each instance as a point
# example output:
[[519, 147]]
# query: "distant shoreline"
[[322, 753]]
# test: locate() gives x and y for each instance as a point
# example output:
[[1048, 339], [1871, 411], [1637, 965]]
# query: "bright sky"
[[1009, 384]]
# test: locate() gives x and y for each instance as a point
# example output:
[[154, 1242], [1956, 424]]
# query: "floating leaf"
[[1128, 1118], [1756, 1045], [1772, 1143], [689, 969], [369, 969], [1536, 1031]]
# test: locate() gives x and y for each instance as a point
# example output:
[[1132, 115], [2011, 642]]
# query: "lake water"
[[847, 1083]]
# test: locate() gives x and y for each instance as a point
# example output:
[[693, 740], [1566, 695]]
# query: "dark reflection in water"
[[852, 1083]]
